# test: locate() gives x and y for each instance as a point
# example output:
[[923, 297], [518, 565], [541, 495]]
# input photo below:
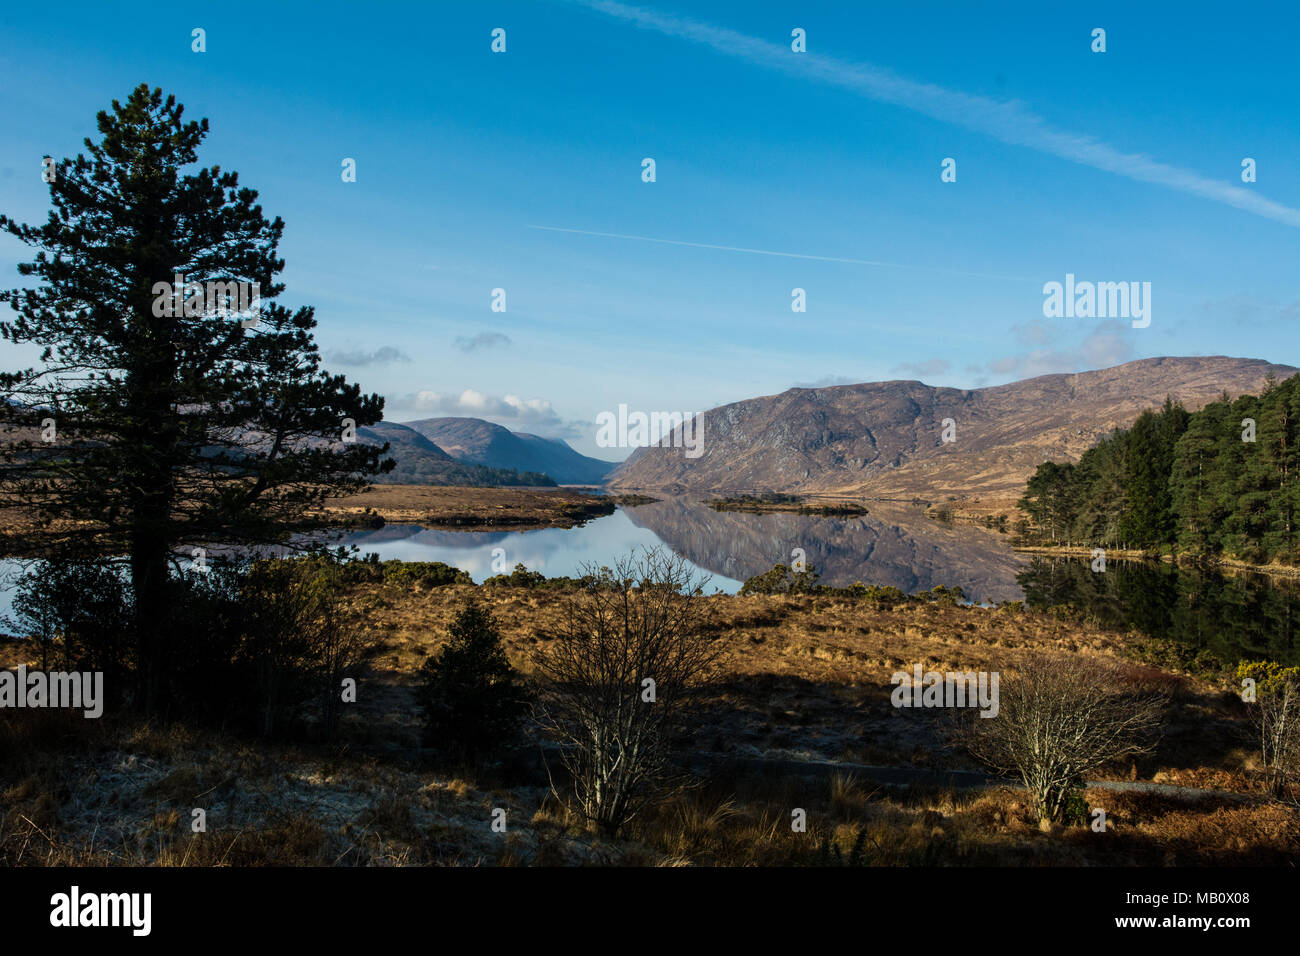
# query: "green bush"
[[782, 580], [78, 616], [881, 597], [401, 574], [945, 596], [423, 574], [259, 647], [520, 577], [1075, 811]]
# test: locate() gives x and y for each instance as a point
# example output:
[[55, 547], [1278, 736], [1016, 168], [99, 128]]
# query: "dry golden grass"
[[454, 506], [841, 640], [950, 828], [804, 676], [113, 804]]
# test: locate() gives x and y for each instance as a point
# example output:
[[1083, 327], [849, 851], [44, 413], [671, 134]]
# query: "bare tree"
[[1060, 718], [1275, 712], [631, 657]]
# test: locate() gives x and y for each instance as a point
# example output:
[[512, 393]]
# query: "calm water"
[[1230, 617], [732, 547], [1227, 618], [554, 552], [893, 545]]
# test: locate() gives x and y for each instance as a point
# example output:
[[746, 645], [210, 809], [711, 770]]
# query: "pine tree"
[[1148, 521], [1276, 462], [470, 697], [1194, 473], [1243, 489], [1195, 481], [161, 422]]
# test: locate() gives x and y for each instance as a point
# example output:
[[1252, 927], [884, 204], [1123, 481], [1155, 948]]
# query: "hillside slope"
[[883, 439], [478, 442], [422, 462]]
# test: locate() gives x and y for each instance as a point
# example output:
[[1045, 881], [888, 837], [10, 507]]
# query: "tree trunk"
[[149, 580]]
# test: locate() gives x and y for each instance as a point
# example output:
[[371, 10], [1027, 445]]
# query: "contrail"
[[1008, 121], [783, 255]]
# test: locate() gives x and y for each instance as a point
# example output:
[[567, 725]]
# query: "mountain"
[[884, 439], [478, 442], [421, 462]]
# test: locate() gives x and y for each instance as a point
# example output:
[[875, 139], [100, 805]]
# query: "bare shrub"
[[632, 654], [1275, 712], [1059, 718]]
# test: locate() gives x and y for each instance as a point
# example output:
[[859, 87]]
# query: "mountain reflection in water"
[[893, 545]]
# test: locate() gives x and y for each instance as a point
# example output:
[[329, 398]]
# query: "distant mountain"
[[421, 462], [884, 439], [478, 442]]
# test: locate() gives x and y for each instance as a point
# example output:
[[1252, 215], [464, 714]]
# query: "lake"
[[895, 544], [1227, 617]]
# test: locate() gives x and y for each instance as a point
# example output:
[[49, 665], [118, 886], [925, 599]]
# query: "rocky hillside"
[[884, 439], [421, 462], [477, 442]]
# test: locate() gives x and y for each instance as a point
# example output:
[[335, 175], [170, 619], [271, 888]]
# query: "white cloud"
[[358, 358], [1106, 344], [1249, 310], [926, 369], [529, 414], [828, 381]]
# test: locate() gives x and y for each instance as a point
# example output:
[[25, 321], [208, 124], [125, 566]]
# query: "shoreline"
[[463, 506], [1222, 565]]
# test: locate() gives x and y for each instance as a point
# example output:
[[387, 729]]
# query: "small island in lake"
[[794, 504]]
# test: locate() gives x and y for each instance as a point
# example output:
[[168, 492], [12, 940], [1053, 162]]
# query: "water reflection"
[[1230, 617], [895, 544], [1226, 618], [552, 551]]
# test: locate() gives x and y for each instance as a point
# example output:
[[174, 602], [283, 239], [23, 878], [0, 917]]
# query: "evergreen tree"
[[1195, 473], [1050, 499], [1275, 463], [1225, 480], [1103, 497], [1148, 519], [157, 420], [1242, 486], [471, 700]]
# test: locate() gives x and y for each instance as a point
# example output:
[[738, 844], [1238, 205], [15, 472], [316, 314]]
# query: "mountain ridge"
[[885, 439], [420, 461], [478, 442]]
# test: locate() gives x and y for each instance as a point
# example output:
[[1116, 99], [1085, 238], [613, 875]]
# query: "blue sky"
[[522, 171]]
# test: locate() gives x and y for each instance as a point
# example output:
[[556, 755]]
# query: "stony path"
[[956, 779]]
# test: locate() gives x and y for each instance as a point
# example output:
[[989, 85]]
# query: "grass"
[[793, 504], [454, 506], [806, 677]]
